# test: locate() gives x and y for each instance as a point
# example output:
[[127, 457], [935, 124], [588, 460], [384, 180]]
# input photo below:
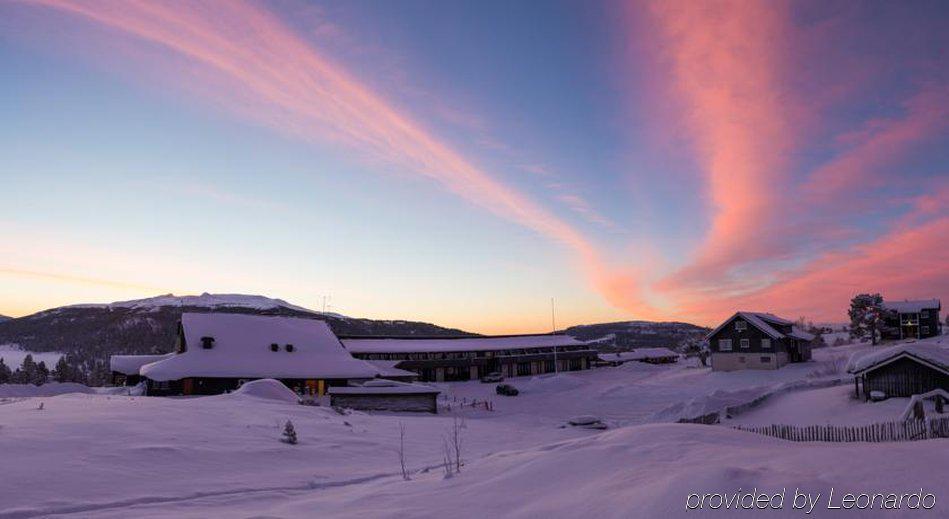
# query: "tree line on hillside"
[[69, 368]]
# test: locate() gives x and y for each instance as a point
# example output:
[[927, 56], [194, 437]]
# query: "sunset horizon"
[[629, 160]]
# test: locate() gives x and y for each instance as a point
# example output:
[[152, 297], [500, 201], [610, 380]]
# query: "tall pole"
[[553, 329]]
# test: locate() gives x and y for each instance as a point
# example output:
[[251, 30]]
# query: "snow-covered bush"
[[289, 434]]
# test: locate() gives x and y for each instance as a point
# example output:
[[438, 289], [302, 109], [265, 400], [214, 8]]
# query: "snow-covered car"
[[492, 378], [506, 390]]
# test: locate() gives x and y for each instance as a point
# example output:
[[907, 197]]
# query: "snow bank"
[[50, 389], [633, 472], [269, 389]]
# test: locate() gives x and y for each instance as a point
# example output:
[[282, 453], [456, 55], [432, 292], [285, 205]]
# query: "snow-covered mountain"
[[205, 300], [149, 325]]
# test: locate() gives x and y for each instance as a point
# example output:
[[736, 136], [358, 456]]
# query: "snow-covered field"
[[13, 356], [100, 455]]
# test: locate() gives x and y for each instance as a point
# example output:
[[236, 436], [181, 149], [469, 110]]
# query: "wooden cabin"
[[386, 395], [757, 340], [903, 370], [217, 352], [446, 359], [912, 319]]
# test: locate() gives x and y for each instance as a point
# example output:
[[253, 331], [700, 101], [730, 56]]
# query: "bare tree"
[[456, 442], [405, 474], [446, 458]]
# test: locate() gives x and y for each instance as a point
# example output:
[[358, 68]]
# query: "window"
[[741, 325], [924, 330], [924, 314], [765, 343], [765, 360], [746, 343], [724, 345]]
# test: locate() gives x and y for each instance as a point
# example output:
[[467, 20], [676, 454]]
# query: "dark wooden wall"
[[903, 378]]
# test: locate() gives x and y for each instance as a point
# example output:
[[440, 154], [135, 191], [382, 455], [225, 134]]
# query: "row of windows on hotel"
[[726, 344], [466, 354]]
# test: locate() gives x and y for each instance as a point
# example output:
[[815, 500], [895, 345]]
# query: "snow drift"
[[268, 389]]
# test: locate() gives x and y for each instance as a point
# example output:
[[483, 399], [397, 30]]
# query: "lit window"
[[765, 343], [746, 343], [725, 345]]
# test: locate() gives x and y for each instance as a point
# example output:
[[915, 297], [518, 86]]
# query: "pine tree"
[[289, 434], [41, 375], [867, 316], [5, 372], [62, 372], [27, 370]]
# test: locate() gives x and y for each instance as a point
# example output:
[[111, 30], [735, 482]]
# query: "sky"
[[465, 162]]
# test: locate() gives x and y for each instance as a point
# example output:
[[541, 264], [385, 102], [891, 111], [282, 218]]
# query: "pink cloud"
[[880, 144], [727, 68]]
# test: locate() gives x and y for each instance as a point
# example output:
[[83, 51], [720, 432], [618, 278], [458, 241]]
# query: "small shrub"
[[289, 434]]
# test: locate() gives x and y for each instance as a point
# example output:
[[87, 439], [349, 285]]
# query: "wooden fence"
[[877, 432]]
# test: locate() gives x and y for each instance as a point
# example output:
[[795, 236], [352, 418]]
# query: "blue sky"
[[464, 162]]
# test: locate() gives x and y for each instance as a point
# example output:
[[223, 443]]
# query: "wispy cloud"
[[262, 70], [727, 69]]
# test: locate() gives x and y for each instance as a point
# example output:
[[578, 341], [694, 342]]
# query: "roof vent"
[[274, 347], [289, 348], [207, 342]]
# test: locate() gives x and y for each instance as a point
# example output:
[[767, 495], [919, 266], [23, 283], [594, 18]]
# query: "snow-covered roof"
[[434, 345], [912, 307], [387, 368], [130, 364], [638, 354], [764, 322], [384, 387], [242, 348], [931, 352]]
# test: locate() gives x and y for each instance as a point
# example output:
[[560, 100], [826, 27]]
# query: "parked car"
[[506, 390], [492, 377]]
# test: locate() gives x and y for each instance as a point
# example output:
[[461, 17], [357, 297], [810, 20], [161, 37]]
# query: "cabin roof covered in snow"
[[932, 352], [242, 348], [912, 307], [434, 345], [130, 364], [638, 354], [387, 368], [384, 387], [764, 322]]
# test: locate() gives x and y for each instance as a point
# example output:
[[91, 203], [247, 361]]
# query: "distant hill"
[[149, 325], [4, 318], [636, 334]]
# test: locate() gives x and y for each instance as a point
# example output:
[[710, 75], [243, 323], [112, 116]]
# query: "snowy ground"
[[96, 455], [13, 357]]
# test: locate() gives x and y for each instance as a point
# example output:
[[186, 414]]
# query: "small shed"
[[386, 395], [903, 370]]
